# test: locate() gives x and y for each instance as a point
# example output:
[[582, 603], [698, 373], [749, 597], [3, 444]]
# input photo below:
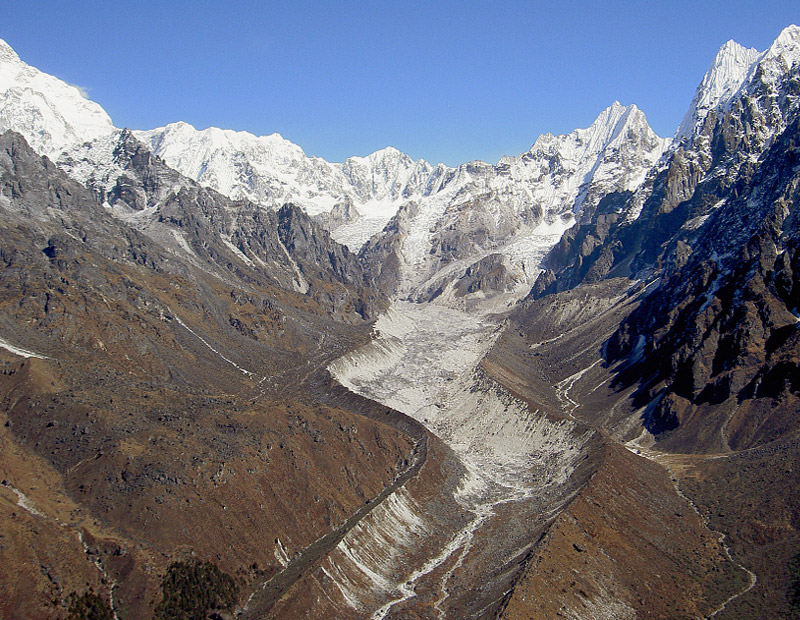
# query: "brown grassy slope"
[[752, 497], [628, 545], [138, 434]]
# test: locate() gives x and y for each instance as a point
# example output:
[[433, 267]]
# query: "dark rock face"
[[587, 252], [381, 255], [287, 247], [342, 213], [716, 165], [488, 275], [720, 333]]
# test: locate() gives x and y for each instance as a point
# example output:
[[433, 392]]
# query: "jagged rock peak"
[[726, 74], [51, 114], [612, 154], [732, 69], [609, 125]]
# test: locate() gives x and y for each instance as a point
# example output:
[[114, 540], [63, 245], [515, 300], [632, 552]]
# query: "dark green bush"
[[794, 586], [190, 590], [88, 606]]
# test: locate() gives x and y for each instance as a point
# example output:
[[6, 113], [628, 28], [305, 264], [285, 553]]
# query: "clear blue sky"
[[445, 81]]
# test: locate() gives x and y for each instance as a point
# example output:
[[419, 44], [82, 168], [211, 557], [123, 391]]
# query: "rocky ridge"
[[436, 221], [197, 324]]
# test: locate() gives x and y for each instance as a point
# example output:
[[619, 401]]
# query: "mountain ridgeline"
[[564, 384], [716, 243]]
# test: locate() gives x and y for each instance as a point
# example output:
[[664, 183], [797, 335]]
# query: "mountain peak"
[[608, 125], [732, 69], [613, 115], [789, 37], [51, 114], [10, 66], [385, 155], [616, 106], [388, 151], [723, 79], [7, 53], [786, 50]]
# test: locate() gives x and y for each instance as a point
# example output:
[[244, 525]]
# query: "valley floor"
[[461, 547], [513, 484]]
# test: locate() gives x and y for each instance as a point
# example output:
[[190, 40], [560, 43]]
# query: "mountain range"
[[565, 384]]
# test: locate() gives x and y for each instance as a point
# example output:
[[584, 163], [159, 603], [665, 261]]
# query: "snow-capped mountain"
[[737, 71], [716, 238], [728, 258], [359, 196], [438, 221], [272, 171], [572, 172], [267, 170], [51, 114], [744, 102], [720, 83], [518, 208]]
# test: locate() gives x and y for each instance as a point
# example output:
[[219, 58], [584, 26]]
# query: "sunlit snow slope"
[[51, 114]]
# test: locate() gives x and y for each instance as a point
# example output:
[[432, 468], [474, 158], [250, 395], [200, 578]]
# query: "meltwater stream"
[[454, 555]]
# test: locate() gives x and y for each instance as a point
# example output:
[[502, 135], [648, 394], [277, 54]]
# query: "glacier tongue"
[[433, 345], [424, 362]]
